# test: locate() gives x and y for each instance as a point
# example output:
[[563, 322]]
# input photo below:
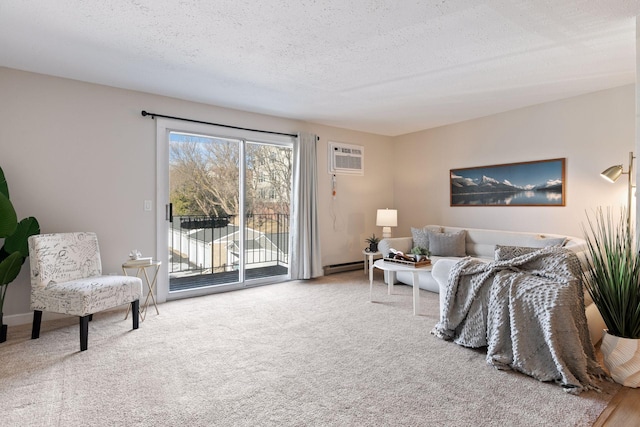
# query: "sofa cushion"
[[447, 244], [482, 242], [421, 236]]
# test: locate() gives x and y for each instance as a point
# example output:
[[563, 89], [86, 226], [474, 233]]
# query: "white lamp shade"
[[387, 218]]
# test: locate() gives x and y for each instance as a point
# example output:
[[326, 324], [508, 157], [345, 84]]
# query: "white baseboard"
[[25, 318]]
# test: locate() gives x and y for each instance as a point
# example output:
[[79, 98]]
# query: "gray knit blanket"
[[529, 313]]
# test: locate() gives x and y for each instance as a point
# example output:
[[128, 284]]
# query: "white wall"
[[79, 156], [592, 132], [349, 218]]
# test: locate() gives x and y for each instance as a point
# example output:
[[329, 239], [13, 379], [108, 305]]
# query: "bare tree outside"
[[205, 187], [204, 176]]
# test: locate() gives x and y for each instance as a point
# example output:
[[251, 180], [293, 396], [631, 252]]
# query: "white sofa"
[[481, 243]]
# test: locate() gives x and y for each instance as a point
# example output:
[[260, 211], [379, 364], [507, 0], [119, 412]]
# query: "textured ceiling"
[[381, 66]]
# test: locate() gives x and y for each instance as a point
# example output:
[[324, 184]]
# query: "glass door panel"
[[230, 201], [204, 194], [268, 183]]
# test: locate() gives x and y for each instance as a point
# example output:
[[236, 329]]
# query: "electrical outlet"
[[147, 205]]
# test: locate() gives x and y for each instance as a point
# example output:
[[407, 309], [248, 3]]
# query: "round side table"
[[369, 257]]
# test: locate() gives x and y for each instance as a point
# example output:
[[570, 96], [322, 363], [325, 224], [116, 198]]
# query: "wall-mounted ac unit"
[[346, 159]]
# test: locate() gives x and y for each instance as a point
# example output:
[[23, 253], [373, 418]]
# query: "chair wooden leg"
[[84, 332], [35, 328], [135, 313]]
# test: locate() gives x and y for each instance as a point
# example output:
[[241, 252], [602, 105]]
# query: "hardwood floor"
[[622, 411]]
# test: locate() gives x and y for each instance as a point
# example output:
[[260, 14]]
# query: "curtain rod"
[[154, 115]]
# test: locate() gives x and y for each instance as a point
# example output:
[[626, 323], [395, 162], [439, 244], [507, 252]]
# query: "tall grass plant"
[[613, 276]]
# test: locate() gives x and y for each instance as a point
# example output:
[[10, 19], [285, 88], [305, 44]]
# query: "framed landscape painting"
[[537, 183]]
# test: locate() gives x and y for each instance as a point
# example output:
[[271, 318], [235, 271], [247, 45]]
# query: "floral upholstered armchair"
[[66, 277]]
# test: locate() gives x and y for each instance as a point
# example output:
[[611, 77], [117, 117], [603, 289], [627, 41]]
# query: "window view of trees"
[[205, 187], [269, 175], [204, 177]]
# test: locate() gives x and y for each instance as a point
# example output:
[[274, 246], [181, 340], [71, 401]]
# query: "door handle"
[[169, 212]]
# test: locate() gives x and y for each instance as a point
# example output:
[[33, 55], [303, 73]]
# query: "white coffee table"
[[392, 268]]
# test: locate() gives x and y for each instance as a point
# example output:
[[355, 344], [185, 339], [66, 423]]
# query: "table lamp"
[[386, 219]]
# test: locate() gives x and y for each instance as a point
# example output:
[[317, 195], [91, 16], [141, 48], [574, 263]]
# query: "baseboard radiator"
[[341, 268]]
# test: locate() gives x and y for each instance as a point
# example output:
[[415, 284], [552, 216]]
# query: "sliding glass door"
[[267, 205], [228, 208]]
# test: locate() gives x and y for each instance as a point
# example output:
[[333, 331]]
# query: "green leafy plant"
[[373, 239], [419, 250], [15, 249], [373, 242], [613, 274]]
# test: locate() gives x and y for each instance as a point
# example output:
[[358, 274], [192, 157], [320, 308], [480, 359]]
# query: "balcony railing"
[[202, 245]]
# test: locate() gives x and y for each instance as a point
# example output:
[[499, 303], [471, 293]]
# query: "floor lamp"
[[612, 174]]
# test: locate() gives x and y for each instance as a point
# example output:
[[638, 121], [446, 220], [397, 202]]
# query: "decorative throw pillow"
[[504, 253], [543, 242], [448, 244], [420, 237]]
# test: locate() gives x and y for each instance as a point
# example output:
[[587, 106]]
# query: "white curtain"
[[305, 247]]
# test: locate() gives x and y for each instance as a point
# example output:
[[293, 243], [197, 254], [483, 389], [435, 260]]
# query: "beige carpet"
[[294, 354]]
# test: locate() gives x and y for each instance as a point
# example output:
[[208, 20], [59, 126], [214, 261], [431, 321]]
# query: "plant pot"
[[622, 359], [373, 247], [3, 330]]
